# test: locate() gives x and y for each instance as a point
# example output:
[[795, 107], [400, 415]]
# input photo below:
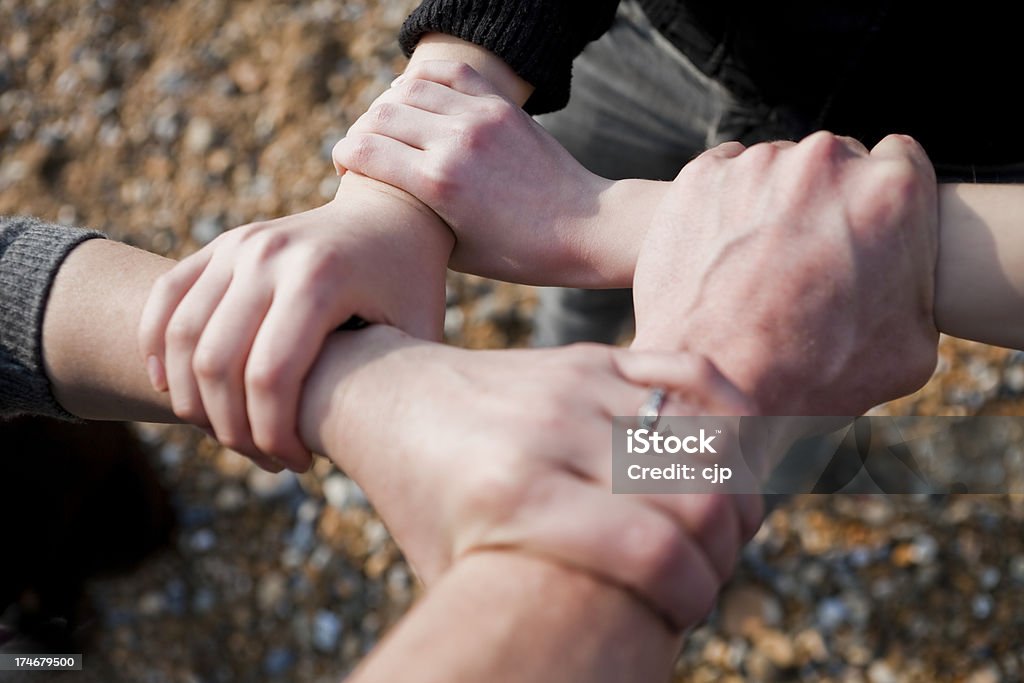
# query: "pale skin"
[[543, 417], [232, 332], [425, 129]]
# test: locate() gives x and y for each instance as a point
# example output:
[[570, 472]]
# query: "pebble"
[[1017, 568], [271, 591], [777, 647], [199, 135], [454, 323], [230, 497], [744, 609], [205, 229], [327, 628], [881, 672], [342, 493], [152, 604], [981, 607], [268, 486], [278, 661], [1013, 378], [832, 613], [989, 578], [202, 541]]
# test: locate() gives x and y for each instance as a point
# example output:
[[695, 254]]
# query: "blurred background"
[[164, 557]]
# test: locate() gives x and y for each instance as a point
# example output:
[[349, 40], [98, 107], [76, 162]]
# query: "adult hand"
[[521, 207], [465, 450], [806, 271], [233, 330]]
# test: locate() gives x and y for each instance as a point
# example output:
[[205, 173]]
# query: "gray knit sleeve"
[[31, 252]]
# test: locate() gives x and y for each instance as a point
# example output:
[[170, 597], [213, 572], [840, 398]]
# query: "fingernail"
[[157, 377]]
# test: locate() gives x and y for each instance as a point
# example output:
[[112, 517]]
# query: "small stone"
[[231, 464], [1013, 378], [880, 672], [205, 229], [989, 578], [342, 493], [1017, 568], [811, 646], [981, 606], [327, 628], [268, 486], [202, 541], [454, 323], [776, 646], [747, 608], [271, 591], [230, 497], [246, 75], [199, 135], [67, 215], [832, 613], [328, 187], [151, 604], [277, 661], [203, 600], [988, 675]]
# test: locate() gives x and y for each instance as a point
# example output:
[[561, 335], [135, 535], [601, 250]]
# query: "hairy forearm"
[[527, 620], [979, 278]]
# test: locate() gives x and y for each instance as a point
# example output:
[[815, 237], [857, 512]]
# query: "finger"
[[691, 379], [183, 332], [384, 159], [219, 362], [409, 125], [616, 537], [163, 300], [903, 147], [283, 352], [430, 96], [783, 144], [456, 75]]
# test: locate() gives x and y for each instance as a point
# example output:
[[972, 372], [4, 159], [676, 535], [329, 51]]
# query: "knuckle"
[[492, 493], [265, 245], [822, 143], [382, 113], [265, 376], [760, 155], [413, 90], [360, 150], [182, 332], [460, 72], [209, 363], [441, 181], [189, 410], [652, 545]]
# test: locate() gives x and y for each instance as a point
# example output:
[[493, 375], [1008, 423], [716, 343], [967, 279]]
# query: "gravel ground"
[[165, 123]]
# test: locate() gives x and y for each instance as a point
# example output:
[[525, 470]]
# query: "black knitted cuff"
[[31, 252], [531, 36]]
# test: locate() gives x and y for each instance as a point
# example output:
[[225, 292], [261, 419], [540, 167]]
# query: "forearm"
[[527, 620], [979, 289]]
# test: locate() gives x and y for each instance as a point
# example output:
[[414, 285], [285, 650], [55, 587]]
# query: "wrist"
[[611, 236]]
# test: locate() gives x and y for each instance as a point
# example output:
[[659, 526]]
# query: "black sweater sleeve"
[[537, 38]]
